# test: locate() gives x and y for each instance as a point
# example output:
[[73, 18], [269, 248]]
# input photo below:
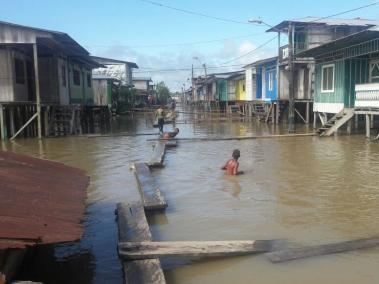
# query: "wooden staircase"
[[332, 125]]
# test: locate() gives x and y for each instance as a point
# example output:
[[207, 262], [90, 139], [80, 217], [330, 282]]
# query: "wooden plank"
[[309, 251], [171, 143], [157, 157], [133, 226], [240, 138], [147, 250], [150, 192]]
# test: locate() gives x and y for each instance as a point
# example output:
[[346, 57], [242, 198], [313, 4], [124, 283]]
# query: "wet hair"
[[176, 130], [236, 154]]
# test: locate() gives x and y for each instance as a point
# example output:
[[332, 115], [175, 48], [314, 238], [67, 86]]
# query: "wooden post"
[[356, 120], [38, 98], [291, 87], [3, 126], [46, 121], [11, 120], [349, 124], [368, 124], [314, 120], [307, 113]]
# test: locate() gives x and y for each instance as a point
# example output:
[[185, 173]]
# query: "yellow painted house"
[[241, 89]]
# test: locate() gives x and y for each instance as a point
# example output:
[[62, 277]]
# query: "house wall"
[[259, 84], [284, 86], [270, 94], [250, 84], [6, 77], [80, 94], [222, 90], [241, 90], [231, 90], [347, 74], [141, 85], [102, 90], [48, 74], [64, 94]]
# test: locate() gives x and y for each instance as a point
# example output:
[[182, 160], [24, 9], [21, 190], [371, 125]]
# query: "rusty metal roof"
[[40, 201]]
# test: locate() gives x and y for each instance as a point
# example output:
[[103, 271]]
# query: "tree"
[[163, 93]]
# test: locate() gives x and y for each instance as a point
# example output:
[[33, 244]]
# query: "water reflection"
[[306, 189]]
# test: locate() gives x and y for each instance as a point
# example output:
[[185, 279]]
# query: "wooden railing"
[[367, 95]]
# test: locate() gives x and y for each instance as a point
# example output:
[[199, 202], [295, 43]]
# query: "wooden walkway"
[[132, 227], [157, 157], [150, 192]]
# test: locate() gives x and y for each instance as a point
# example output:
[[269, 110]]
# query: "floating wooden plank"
[[205, 139], [116, 135], [157, 157], [146, 250], [171, 143], [150, 192], [309, 251], [133, 226]]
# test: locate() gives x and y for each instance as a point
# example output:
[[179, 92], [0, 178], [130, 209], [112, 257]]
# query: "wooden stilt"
[[38, 98], [356, 121], [307, 113], [368, 125], [349, 124], [46, 121], [314, 120]]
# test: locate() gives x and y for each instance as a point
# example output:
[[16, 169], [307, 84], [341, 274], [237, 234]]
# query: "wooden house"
[[45, 82], [307, 33], [347, 79], [105, 89], [118, 69], [61, 66]]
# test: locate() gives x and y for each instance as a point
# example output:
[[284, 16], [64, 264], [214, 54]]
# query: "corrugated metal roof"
[[110, 61], [103, 77], [350, 40], [262, 61], [359, 22], [40, 201]]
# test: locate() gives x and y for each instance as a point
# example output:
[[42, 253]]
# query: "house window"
[[19, 71], [64, 79], [374, 71], [89, 81], [76, 75], [327, 78], [271, 81]]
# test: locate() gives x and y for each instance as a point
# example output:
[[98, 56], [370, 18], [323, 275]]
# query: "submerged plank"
[[204, 139], [157, 156], [150, 192], [133, 226], [309, 251], [143, 250]]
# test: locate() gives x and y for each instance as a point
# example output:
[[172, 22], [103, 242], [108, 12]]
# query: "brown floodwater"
[[305, 190]]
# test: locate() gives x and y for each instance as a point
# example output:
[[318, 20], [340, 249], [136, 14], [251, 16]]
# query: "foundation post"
[[368, 124]]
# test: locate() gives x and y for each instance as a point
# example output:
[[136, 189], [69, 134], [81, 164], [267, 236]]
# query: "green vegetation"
[[163, 93]]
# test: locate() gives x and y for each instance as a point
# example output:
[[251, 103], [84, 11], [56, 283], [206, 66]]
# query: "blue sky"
[[135, 30]]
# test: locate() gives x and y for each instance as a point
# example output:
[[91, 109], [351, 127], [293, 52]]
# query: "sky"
[[162, 40]]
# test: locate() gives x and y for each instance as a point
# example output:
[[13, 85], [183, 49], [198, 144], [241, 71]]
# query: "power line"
[[251, 51], [176, 44], [196, 13], [186, 68]]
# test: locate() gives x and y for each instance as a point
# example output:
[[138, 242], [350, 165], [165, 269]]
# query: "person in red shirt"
[[231, 166]]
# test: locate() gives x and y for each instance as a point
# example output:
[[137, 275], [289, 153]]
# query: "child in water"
[[231, 166]]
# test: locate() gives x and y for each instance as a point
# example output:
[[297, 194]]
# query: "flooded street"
[[305, 190]]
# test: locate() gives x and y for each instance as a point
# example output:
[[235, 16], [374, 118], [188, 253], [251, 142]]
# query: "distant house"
[[144, 87], [347, 78], [105, 90], [60, 65], [117, 69]]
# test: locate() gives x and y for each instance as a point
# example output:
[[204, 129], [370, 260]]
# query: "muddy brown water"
[[305, 190]]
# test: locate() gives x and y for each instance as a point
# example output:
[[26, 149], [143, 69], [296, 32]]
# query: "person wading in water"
[[169, 135], [231, 166], [159, 115]]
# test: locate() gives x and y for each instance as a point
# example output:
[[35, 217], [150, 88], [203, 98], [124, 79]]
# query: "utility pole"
[[291, 102], [205, 70]]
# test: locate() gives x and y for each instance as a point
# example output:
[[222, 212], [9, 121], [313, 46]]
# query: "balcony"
[[367, 96]]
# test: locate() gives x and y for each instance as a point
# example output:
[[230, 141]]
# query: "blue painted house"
[[265, 79]]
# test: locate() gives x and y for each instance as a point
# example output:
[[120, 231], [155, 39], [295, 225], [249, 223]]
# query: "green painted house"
[[347, 72]]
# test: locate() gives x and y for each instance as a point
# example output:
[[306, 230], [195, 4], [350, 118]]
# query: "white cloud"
[[182, 58]]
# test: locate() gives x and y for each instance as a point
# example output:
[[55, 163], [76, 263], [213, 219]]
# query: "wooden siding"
[[241, 90], [222, 90], [347, 73]]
